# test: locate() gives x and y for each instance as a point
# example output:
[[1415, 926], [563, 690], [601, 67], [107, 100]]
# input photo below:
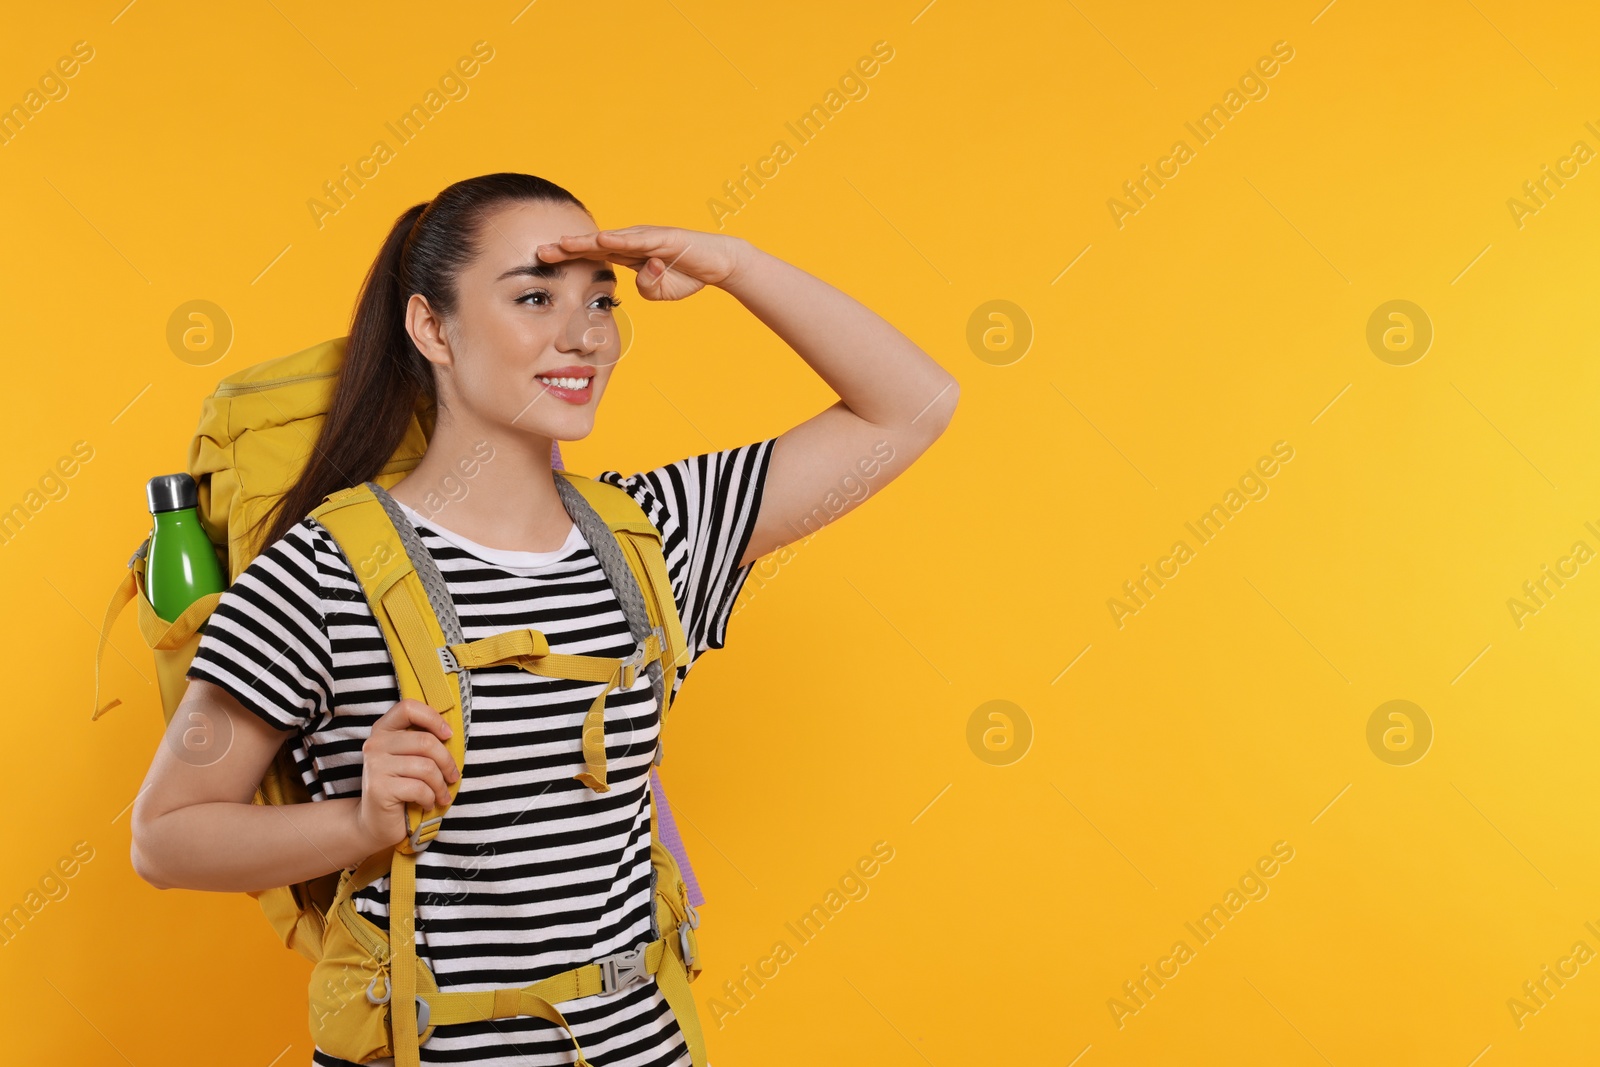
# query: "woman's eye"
[[607, 303]]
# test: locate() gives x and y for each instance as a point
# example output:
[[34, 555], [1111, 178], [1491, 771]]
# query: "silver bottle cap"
[[172, 492]]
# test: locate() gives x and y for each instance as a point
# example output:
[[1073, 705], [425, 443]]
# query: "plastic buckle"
[[622, 969], [423, 1009], [686, 940], [447, 659], [636, 659], [144, 546], [418, 845], [631, 663]]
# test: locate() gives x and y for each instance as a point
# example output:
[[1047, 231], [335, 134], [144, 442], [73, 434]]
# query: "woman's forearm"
[[879, 374], [228, 847]]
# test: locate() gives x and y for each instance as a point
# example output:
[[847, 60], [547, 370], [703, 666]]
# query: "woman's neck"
[[495, 489]]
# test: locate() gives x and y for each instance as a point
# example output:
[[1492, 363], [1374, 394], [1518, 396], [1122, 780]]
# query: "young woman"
[[493, 302]]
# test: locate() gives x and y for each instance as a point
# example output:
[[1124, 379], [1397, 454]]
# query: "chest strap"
[[529, 650]]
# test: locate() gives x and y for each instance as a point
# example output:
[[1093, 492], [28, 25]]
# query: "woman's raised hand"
[[672, 263], [403, 760]]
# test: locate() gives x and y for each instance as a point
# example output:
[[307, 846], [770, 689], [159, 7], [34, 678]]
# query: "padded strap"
[[608, 550], [385, 562], [433, 583], [413, 630]]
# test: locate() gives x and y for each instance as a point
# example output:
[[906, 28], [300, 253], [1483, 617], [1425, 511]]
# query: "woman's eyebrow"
[[552, 271]]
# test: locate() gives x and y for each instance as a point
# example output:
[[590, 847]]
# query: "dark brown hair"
[[383, 376]]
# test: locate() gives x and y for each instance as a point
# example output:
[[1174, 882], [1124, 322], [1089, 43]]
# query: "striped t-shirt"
[[532, 873]]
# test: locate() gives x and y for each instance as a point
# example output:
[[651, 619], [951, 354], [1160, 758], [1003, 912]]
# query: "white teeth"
[[566, 383]]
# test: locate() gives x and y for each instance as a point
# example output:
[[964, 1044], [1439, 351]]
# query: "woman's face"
[[520, 321]]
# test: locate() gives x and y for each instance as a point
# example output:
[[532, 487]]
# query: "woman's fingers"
[[670, 266], [406, 742], [422, 769], [417, 743], [406, 713], [627, 247], [404, 761], [557, 254]]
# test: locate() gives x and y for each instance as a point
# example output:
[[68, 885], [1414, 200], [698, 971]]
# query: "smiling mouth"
[[568, 390]]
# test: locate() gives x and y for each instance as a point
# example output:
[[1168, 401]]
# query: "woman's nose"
[[594, 329]]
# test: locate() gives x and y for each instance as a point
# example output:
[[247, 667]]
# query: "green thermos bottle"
[[182, 566]]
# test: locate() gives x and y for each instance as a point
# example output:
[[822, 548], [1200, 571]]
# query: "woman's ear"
[[428, 331]]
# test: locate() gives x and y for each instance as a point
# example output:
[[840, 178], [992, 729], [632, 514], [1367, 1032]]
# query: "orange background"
[[1041, 861]]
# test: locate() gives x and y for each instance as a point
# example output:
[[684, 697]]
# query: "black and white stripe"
[[532, 873]]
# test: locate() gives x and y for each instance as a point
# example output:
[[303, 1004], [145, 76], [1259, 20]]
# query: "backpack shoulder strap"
[[409, 599], [619, 511], [644, 576]]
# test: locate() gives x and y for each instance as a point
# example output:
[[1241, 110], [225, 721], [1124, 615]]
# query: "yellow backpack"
[[371, 996]]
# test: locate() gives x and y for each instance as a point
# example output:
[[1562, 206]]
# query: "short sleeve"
[[705, 507], [266, 642]]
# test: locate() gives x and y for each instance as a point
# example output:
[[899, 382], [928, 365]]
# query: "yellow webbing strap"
[[673, 978], [539, 999], [403, 961], [529, 650], [370, 870]]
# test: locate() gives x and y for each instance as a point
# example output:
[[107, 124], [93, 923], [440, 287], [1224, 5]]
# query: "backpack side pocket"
[[172, 643], [349, 1001]]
